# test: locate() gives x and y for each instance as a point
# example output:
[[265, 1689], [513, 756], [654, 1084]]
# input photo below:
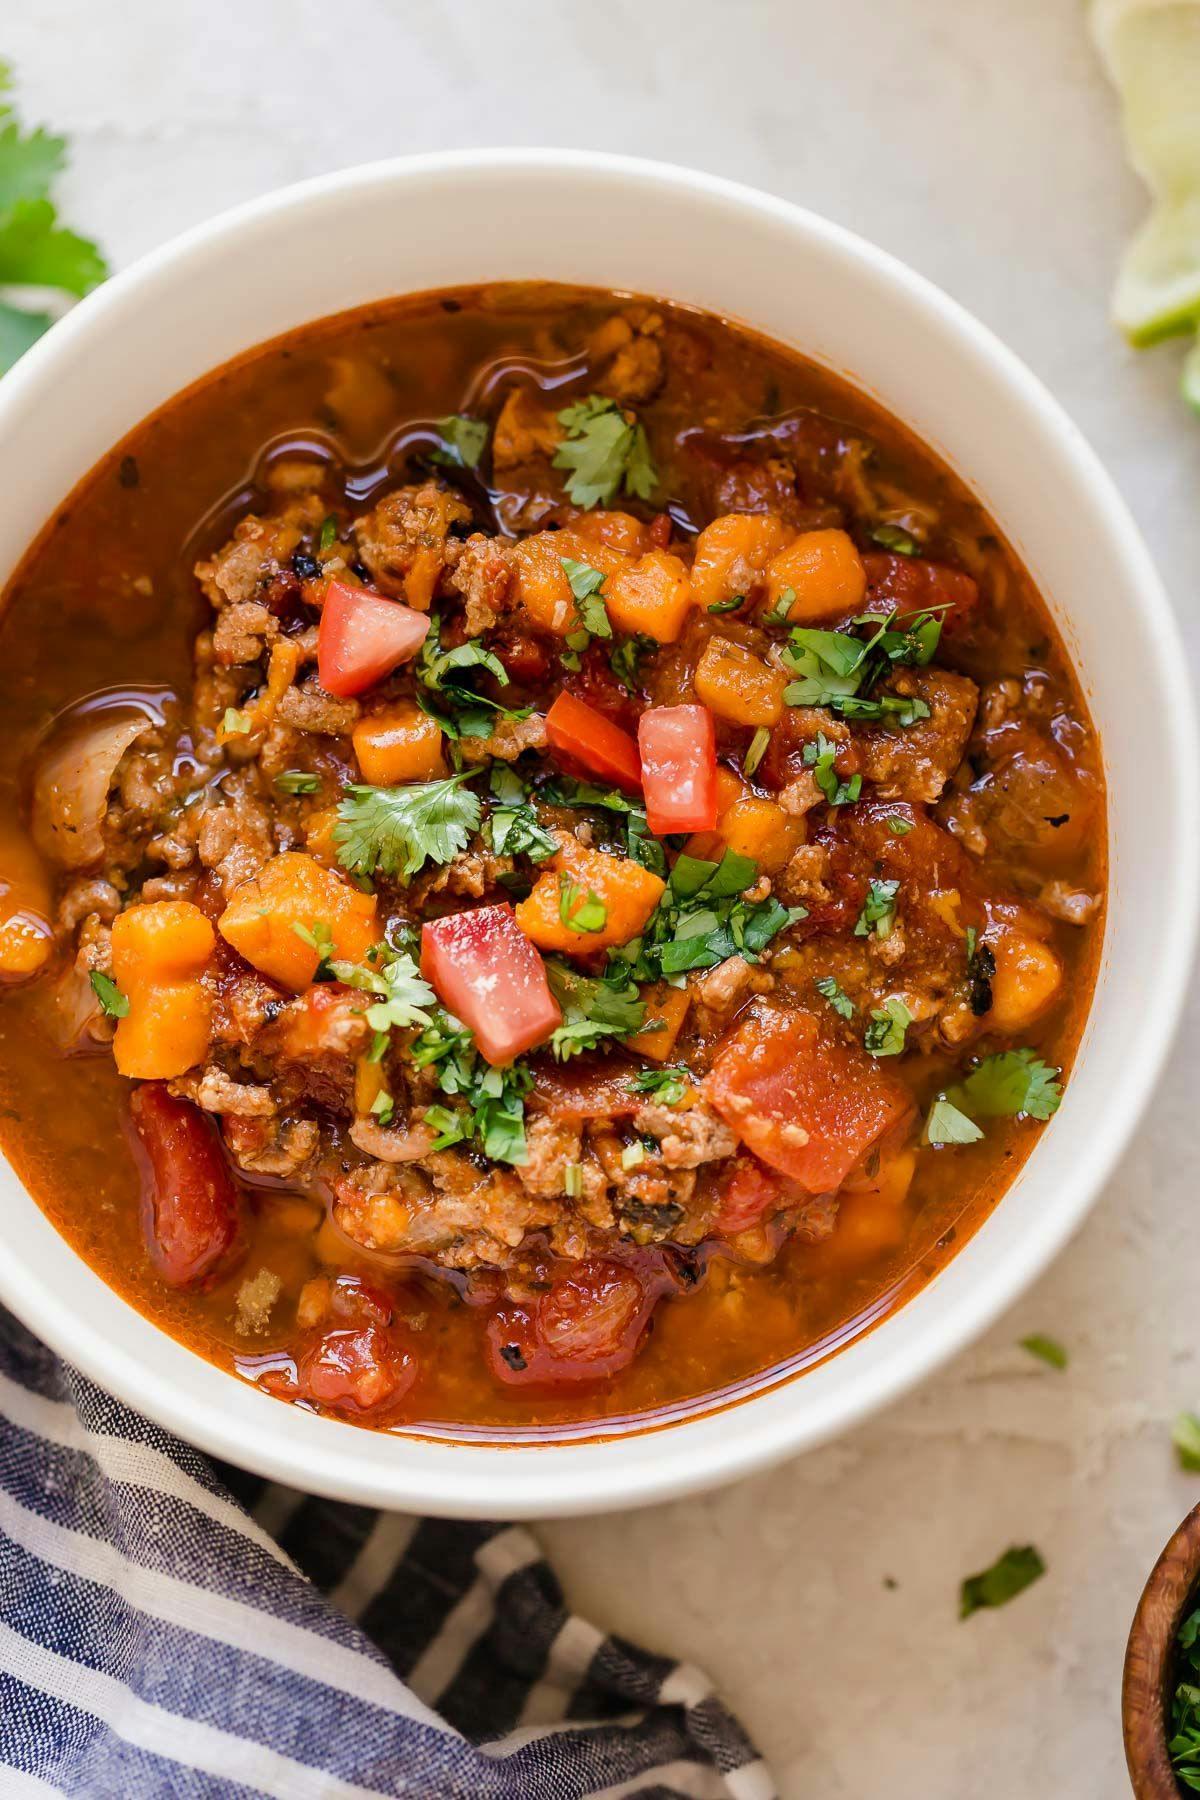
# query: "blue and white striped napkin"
[[166, 1630]]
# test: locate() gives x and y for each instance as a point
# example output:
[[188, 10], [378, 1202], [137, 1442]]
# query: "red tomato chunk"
[[363, 637], [908, 584], [190, 1204], [678, 747], [585, 1327], [585, 740], [808, 1106], [488, 974]]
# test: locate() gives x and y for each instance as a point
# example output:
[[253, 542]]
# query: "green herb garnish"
[[605, 451], [885, 1035], [397, 830], [829, 989], [727, 606], [1008, 1576], [1185, 1435], [318, 937], [579, 911], [513, 825], [668, 1085], [947, 1125], [894, 537], [820, 758], [594, 1009], [1010, 1083], [113, 1002], [328, 535], [1047, 1348], [756, 751], [404, 997], [297, 781], [463, 441], [879, 910]]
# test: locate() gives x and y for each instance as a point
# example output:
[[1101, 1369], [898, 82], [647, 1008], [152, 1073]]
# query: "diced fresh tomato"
[[489, 975], [909, 584], [585, 1327], [362, 638], [807, 1105], [190, 1206], [582, 737], [678, 746]]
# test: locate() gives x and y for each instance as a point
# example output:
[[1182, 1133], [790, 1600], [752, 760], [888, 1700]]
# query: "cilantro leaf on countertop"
[[1009, 1575], [605, 451], [397, 830], [35, 250], [1047, 1348]]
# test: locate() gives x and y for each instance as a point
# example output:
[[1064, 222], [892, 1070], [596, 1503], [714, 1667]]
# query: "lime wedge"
[[1190, 380], [1152, 51]]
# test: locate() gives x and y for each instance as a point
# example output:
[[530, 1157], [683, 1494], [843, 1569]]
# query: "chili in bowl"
[[556, 866]]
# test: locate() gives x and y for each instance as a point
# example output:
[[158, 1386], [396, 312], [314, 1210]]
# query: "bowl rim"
[[1170, 1588], [320, 1454]]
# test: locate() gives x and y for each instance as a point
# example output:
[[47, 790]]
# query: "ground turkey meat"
[[914, 762], [508, 739], [406, 541], [257, 551], [482, 575], [309, 708], [271, 1146], [687, 1136]]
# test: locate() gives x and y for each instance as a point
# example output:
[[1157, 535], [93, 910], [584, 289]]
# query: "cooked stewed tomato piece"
[[363, 637], [586, 1326], [808, 1106], [190, 1204], [490, 976], [678, 746]]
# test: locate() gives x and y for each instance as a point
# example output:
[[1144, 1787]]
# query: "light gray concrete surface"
[[979, 142]]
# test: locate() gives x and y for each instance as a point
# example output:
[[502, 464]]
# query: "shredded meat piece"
[[472, 874], [525, 429], [483, 575], [1070, 904], [803, 880], [257, 551], [553, 1145], [687, 1135], [914, 762], [720, 991], [634, 341], [391, 1143], [271, 1146], [309, 708], [235, 840], [800, 795], [466, 1218], [508, 739], [216, 1092], [91, 897], [243, 632], [243, 1005], [405, 541]]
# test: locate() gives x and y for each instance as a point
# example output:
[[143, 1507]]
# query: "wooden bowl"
[[1149, 1660]]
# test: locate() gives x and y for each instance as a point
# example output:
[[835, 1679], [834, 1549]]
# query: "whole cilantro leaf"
[[604, 451], [1011, 1082], [37, 252], [398, 829], [1008, 1576], [463, 441], [594, 1009]]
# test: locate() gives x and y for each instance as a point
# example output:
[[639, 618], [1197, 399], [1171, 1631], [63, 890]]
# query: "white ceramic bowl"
[[435, 221]]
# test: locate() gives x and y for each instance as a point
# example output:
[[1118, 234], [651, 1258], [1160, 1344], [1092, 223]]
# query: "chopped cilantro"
[[513, 825], [667, 1084], [1008, 1576], [781, 612], [886, 1033], [829, 989], [947, 1125], [564, 790], [879, 910], [585, 584], [643, 847], [492, 1113], [578, 911], [404, 996], [113, 1002], [235, 723], [463, 441], [894, 537], [458, 708], [757, 750], [605, 451], [594, 1009], [35, 251], [899, 827], [328, 535], [1184, 1743], [1047, 1348], [703, 918], [398, 829], [383, 1106], [297, 781], [820, 758], [625, 660], [318, 937], [1010, 1083], [727, 606], [838, 670]]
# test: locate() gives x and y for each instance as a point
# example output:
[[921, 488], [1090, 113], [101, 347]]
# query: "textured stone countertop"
[[979, 142]]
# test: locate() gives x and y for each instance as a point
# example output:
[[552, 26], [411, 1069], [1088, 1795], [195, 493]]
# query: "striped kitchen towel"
[[168, 1630]]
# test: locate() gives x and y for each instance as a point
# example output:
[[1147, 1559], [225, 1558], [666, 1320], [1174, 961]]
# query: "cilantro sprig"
[[703, 918], [513, 825], [838, 670], [446, 695], [397, 830], [606, 451], [1009, 1084], [35, 250], [491, 1109], [595, 1010]]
